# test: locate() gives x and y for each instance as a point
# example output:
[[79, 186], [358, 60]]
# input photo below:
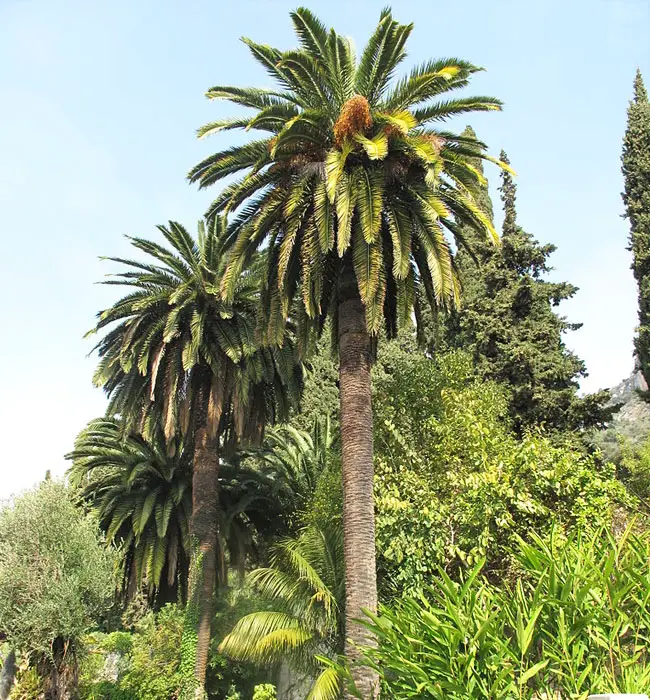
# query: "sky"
[[100, 103]]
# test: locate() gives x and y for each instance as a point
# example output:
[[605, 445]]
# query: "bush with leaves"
[[56, 581], [576, 621], [265, 691], [455, 484], [145, 664]]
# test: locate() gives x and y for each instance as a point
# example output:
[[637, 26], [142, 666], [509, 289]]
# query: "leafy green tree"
[[303, 591], [508, 321], [636, 197], [56, 581], [454, 484], [179, 356], [351, 193]]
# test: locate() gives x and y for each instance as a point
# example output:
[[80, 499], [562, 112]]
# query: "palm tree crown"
[[141, 491], [177, 354], [353, 170]]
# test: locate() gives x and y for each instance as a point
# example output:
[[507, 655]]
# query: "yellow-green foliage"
[[454, 484], [576, 621], [264, 691], [29, 685]]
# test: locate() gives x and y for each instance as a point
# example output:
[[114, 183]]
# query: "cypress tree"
[[636, 197], [509, 323]]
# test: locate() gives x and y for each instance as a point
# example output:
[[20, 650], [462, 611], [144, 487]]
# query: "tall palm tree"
[[351, 190], [177, 354], [142, 493], [304, 590]]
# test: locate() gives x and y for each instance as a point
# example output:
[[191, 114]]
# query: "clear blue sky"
[[99, 104]]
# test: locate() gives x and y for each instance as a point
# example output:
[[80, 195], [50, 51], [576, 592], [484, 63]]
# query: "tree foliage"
[[56, 578], [455, 484], [175, 355], [636, 197], [510, 324], [141, 491], [303, 593], [350, 171]]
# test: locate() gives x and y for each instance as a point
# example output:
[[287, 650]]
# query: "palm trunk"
[[205, 504], [355, 360]]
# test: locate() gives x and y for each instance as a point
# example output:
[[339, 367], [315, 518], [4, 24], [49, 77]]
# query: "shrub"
[[454, 484], [576, 621], [265, 691]]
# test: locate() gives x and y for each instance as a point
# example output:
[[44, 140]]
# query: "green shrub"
[[265, 691], [148, 661], [454, 484], [577, 621], [29, 685]]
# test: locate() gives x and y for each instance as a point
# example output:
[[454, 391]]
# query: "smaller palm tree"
[[176, 355], [304, 588], [142, 492], [297, 459]]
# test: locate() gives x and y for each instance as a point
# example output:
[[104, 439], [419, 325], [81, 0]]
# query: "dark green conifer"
[[636, 197], [509, 323]]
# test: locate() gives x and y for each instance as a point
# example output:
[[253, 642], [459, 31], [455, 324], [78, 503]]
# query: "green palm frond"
[[354, 166], [327, 686], [141, 491], [166, 343], [304, 593], [135, 486]]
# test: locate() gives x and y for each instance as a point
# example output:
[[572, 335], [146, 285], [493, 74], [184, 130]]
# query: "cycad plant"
[[351, 189], [178, 355], [141, 491], [303, 590]]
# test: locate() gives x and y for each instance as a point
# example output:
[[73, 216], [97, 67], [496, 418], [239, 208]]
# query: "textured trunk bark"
[[8, 675], [61, 673], [205, 504], [355, 357]]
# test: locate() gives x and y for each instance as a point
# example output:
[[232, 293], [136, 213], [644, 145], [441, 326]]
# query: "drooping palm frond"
[[141, 491], [295, 460], [174, 352], [353, 174], [304, 590]]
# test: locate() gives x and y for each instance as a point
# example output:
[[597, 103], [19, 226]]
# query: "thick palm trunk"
[[205, 498], [358, 502]]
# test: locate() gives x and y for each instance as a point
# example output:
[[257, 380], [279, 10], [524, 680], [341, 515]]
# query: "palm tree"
[[179, 356], [142, 493], [296, 460], [304, 589], [351, 191]]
